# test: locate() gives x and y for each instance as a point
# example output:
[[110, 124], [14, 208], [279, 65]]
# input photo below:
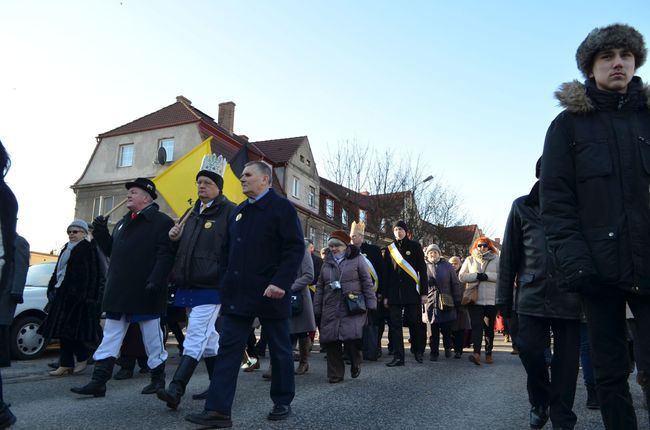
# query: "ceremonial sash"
[[401, 262], [373, 273], [312, 288]]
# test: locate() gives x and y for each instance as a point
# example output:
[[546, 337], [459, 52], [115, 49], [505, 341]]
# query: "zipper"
[[621, 101]]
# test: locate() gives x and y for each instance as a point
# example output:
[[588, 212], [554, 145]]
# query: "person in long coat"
[[344, 272], [141, 258], [304, 322], [73, 316], [481, 270], [461, 326], [442, 280]]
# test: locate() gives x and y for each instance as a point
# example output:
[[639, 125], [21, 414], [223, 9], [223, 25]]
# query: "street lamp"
[[428, 178]]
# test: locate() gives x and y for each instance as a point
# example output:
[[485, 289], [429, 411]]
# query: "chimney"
[[244, 137], [182, 99], [497, 240], [365, 193], [227, 116]]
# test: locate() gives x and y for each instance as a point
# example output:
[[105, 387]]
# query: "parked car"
[[26, 343]]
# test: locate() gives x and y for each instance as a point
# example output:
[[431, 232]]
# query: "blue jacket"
[[264, 245]]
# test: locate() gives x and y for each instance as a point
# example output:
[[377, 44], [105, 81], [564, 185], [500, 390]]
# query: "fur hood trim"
[[573, 97]]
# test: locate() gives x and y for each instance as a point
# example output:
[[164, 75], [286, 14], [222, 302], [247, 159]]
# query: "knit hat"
[[217, 179], [79, 223], [213, 167], [401, 224], [339, 236], [610, 37], [433, 247], [145, 184]]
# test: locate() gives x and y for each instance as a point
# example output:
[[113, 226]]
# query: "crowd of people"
[[568, 268]]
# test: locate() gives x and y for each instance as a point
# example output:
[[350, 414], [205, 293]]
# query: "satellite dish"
[[162, 156]]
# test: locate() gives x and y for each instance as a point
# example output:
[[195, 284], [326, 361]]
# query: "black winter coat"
[[373, 253], [8, 212], [140, 252], [73, 313], [199, 249], [595, 178], [397, 286], [264, 245], [526, 260]]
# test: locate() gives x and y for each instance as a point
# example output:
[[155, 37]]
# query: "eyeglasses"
[[74, 231], [482, 245]]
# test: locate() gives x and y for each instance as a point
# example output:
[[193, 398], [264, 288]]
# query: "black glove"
[[481, 277], [17, 298], [432, 282], [101, 223], [151, 289]]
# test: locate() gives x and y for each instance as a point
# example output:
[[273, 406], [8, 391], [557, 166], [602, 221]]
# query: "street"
[[450, 394]]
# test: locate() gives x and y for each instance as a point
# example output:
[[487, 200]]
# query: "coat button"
[[236, 273], [239, 239], [611, 234]]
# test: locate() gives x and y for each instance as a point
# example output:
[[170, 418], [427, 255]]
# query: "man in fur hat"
[[404, 289], [595, 205], [141, 258], [198, 241]]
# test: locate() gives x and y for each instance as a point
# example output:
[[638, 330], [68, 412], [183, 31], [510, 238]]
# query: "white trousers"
[[201, 339], [152, 337]]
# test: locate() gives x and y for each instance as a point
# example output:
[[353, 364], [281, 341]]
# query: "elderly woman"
[[481, 270], [442, 300], [344, 275], [73, 316]]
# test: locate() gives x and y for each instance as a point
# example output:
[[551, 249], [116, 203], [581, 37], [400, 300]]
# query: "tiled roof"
[[461, 234], [279, 151], [175, 114]]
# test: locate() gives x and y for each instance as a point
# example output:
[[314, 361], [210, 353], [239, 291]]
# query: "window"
[[329, 208], [362, 215], [168, 144], [312, 234], [325, 237], [308, 163], [295, 189], [125, 155], [344, 217], [102, 205], [312, 197], [302, 158]]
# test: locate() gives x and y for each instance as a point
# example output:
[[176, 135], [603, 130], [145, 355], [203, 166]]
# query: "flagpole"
[[119, 205]]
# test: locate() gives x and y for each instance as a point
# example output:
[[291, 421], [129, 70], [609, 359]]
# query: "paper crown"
[[214, 164], [359, 227]]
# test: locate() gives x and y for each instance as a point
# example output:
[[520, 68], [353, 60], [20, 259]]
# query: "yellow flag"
[[177, 183]]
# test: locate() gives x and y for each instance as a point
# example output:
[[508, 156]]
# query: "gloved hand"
[[481, 277], [100, 221], [17, 298], [151, 289]]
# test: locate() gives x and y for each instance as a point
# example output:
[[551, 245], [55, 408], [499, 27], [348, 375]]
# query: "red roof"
[[279, 151], [461, 234]]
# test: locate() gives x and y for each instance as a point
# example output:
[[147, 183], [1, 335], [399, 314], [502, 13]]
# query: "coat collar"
[[263, 202], [577, 97], [147, 213]]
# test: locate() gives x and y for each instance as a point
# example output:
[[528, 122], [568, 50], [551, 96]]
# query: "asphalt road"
[[448, 394]]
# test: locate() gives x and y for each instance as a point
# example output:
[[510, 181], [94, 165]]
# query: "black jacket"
[[264, 245], [526, 260], [140, 252], [199, 249], [397, 286], [594, 185], [373, 253], [8, 212]]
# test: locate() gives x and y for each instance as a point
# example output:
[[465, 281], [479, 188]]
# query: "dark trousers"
[[482, 318], [414, 315], [434, 340], [335, 352], [585, 356], [459, 340], [605, 312], [381, 317], [558, 391], [234, 334], [70, 349], [250, 344], [513, 328]]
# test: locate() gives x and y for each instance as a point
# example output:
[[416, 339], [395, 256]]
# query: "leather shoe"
[[396, 362], [418, 357], [334, 380], [123, 374], [538, 417], [279, 412], [211, 419], [433, 357], [355, 371]]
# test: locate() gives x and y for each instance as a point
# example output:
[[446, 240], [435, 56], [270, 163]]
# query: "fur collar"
[[573, 97]]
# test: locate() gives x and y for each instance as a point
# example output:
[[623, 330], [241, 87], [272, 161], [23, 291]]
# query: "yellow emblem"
[[408, 252], [207, 224], [238, 217]]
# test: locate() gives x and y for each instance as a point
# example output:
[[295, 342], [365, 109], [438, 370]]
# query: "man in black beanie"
[[595, 205], [404, 288]]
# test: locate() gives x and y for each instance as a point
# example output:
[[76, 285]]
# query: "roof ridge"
[[282, 138], [191, 110]]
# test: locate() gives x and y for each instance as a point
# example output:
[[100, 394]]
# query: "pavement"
[[447, 394]]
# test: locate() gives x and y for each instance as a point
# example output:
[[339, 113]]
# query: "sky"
[[465, 86]]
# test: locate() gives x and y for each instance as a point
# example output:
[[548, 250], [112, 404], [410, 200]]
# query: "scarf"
[[63, 262]]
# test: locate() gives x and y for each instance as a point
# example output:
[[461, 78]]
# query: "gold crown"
[[358, 227]]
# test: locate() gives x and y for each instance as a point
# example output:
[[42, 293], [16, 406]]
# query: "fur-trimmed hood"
[[573, 96]]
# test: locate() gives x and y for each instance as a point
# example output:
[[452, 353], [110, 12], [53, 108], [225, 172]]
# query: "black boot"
[[538, 417], [7, 419], [172, 395], [101, 374], [157, 380], [592, 397], [209, 364]]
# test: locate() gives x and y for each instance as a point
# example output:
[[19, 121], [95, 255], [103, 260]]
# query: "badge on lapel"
[[207, 224], [238, 217], [408, 252]]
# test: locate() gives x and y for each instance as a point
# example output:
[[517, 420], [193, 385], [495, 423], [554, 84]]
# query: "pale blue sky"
[[468, 85]]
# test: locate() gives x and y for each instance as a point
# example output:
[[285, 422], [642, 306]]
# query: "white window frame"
[[165, 143], [102, 205], [295, 187], [312, 197], [121, 161], [362, 216], [329, 208], [344, 217]]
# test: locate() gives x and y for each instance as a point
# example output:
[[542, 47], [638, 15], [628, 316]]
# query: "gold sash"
[[401, 262]]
